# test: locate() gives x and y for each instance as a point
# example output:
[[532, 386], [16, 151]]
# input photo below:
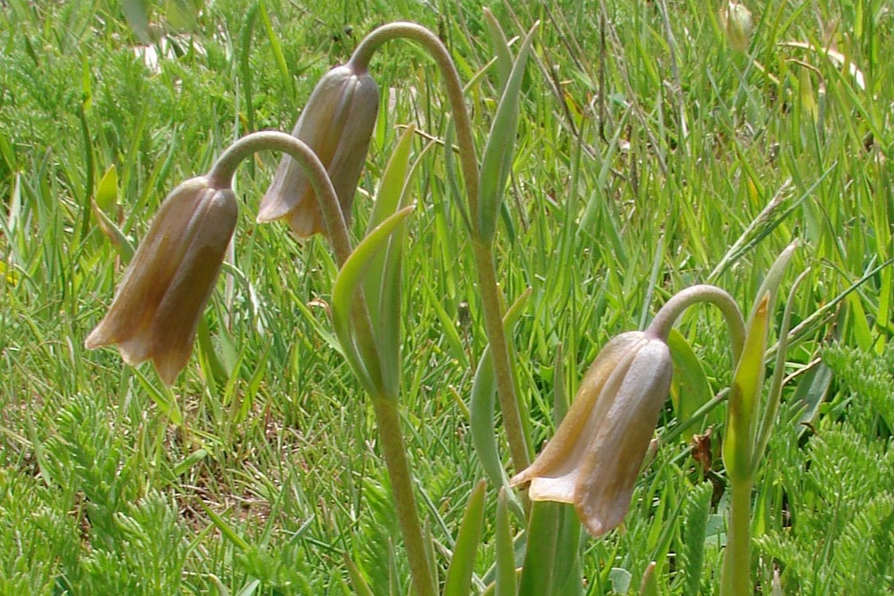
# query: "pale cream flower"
[[737, 22], [595, 456], [337, 123], [156, 310]]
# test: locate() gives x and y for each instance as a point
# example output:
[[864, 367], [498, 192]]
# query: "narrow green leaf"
[[481, 420], [744, 394], [228, 532], [537, 570], [107, 190], [459, 574], [763, 433], [391, 186], [498, 157], [504, 58], [7, 152], [382, 282], [277, 50], [774, 277], [246, 33], [859, 327], [481, 426], [505, 554], [119, 241], [649, 585], [162, 397], [453, 184], [567, 560], [361, 588], [348, 283], [215, 372], [690, 389], [189, 461], [811, 393]]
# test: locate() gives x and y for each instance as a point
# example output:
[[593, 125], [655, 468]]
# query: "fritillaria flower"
[[595, 456], [737, 22], [337, 124], [156, 310]]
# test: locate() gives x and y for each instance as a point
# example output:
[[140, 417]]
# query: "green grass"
[[630, 182]]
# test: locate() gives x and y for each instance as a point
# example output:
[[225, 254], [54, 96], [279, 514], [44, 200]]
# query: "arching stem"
[[484, 258]]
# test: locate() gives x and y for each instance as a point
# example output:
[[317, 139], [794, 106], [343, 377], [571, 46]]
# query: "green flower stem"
[[222, 173], [430, 42], [503, 372], [385, 407], [395, 454], [661, 325], [223, 169], [484, 258], [737, 562]]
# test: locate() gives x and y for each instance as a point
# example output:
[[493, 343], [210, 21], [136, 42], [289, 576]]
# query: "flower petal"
[[608, 472], [149, 274], [553, 474], [173, 330]]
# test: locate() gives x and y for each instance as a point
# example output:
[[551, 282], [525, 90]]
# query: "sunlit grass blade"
[[459, 574], [277, 49], [498, 157], [357, 580], [505, 555], [744, 397], [540, 552], [504, 58], [769, 417], [690, 389]]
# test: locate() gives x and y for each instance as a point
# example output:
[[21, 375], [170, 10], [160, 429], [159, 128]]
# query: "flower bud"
[[337, 124], [737, 22], [156, 310], [595, 456]]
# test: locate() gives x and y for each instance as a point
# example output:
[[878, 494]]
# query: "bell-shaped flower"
[[737, 22], [337, 123], [595, 456], [156, 310]]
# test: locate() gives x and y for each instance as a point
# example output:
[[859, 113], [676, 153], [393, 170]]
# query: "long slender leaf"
[[498, 156], [459, 574], [363, 359]]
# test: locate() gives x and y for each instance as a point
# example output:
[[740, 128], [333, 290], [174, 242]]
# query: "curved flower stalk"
[[484, 190], [156, 310], [157, 307], [337, 123], [593, 460]]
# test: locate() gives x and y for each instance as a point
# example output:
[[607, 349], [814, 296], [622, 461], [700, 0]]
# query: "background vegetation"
[[651, 156]]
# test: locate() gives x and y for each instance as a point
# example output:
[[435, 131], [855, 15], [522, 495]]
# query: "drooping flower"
[[595, 456], [337, 123], [156, 310], [737, 22]]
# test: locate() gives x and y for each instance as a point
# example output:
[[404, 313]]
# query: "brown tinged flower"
[[337, 123], [156, 310], [595, 456]]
